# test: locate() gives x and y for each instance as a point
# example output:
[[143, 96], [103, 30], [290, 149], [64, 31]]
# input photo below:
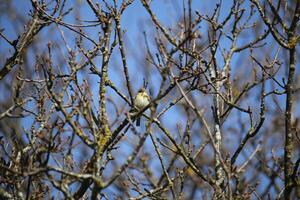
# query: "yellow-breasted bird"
[[140, 101]]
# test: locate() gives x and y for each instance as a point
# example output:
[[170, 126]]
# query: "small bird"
[[140, 101]]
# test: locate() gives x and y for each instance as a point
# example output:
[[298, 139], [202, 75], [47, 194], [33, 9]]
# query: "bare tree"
[[222, 122]]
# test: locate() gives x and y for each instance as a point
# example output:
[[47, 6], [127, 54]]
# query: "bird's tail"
[[138, 121]]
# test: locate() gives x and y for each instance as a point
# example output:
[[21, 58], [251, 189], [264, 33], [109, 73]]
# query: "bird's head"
[[142, 90]]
